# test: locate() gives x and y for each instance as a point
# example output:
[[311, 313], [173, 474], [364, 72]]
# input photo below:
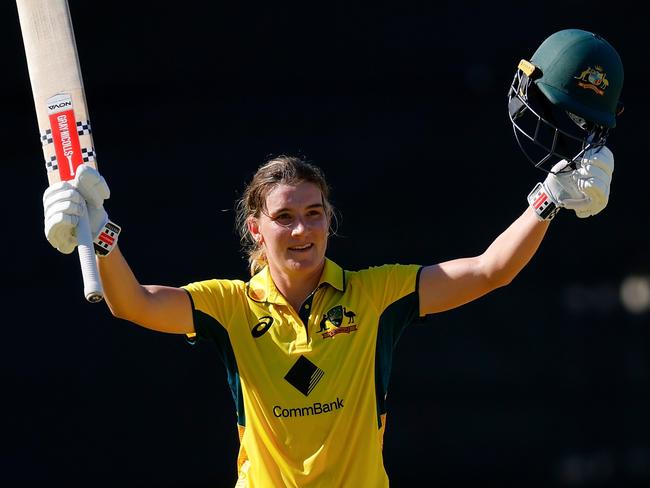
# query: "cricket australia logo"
[[594, 79], [336, 316]]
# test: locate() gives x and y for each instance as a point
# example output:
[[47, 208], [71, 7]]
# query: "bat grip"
[[92, 282]]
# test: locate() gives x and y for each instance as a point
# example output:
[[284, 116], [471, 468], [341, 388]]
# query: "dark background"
[[403, 104]]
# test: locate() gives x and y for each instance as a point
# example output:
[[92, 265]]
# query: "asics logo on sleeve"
[[262, 326]]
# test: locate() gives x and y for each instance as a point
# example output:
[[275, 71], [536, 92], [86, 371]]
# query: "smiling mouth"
[[304, 247]]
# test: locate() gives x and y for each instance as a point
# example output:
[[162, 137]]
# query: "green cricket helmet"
[[565, 100]]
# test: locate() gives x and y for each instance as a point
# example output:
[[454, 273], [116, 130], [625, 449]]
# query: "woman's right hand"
[[64, 202]]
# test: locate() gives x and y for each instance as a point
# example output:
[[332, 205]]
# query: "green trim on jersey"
[[391, 326], [214, 331]]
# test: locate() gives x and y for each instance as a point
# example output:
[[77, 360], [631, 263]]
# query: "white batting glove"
[[594, 178], [94, 189], [584, 190], [66, 201]]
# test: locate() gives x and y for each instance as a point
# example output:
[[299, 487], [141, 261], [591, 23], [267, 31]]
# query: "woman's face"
[[293, 228]]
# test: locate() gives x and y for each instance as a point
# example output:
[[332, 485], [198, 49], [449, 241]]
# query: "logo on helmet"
[[594, 79]]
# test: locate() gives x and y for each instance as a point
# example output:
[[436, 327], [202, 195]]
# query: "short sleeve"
[[389, 283], [213, 301]]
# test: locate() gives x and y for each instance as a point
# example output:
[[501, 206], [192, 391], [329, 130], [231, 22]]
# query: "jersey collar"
[[261, 288]]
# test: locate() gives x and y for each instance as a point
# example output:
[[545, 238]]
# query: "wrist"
[[106, 240], [543, 203]]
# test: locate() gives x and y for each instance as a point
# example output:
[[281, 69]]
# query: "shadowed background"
[[542, 383]]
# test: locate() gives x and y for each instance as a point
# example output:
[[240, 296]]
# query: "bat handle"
[[92, 282]]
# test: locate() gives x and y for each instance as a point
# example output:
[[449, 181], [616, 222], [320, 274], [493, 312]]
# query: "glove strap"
[[543, 203], [107, 239]]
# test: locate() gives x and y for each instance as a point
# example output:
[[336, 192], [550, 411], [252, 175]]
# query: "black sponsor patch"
[[304, 375]]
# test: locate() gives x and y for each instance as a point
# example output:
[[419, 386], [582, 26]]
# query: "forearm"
[[122, 291], [513, 248]]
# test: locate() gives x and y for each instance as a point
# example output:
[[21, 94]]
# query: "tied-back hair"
[[288, 170]]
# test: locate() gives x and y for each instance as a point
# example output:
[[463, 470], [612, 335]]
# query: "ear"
[[254, 228]]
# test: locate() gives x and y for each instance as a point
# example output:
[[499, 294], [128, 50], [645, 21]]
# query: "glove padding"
[[64, 202], [584, 190]]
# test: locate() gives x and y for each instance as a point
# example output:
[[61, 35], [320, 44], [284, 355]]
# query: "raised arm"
[[161, 308], [453, 283], [585, 190]]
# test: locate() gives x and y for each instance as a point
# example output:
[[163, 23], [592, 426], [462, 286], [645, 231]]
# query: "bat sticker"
[[64, 134]]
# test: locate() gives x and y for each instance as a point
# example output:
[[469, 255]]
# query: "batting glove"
[[584, 190], [64, 202], [94, 190]]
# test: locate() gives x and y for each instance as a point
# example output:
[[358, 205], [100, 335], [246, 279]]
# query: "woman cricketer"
[[307, 345]]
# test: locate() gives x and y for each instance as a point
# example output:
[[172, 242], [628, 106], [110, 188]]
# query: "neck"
[[296, 287]]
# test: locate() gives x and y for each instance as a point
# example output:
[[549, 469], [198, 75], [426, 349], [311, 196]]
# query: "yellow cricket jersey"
[[309, 385]]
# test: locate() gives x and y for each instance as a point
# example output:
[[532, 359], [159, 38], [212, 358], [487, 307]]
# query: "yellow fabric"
[[309, 392]]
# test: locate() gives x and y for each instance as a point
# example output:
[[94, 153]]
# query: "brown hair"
[[289, 170]]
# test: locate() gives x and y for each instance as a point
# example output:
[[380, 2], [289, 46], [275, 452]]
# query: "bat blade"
[[61, 109]]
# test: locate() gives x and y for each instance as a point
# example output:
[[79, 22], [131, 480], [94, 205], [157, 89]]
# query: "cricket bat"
[[61, 109]]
